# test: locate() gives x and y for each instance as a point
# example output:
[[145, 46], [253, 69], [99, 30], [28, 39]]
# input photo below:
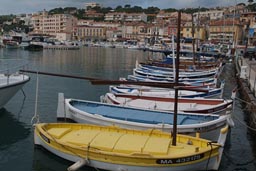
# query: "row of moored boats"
[[132, 127]]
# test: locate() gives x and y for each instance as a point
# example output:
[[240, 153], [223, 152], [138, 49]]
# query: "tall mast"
[[193, 39], [198, 29], [176, 81]]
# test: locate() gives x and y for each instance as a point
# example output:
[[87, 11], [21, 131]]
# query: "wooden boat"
[[211, 93], [206, 83], [188, 81], [195, 105], [158, 74], [98, 113], [167, 70], [10, 85], [115, 149]]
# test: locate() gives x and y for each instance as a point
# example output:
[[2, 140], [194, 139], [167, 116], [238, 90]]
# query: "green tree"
[[151, 10], [80, 14], [250, 1], [119, 8], [127, 6], [252, 7], [56, 11]]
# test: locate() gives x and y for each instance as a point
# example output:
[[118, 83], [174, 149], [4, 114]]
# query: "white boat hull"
[[209, 130], [7, 91]]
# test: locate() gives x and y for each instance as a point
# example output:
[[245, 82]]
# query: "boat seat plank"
[[58, 132], [81, 137], [106, 141], [157, 145], [129, 143]]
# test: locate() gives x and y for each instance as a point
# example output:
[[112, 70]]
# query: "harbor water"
[[17, 151]]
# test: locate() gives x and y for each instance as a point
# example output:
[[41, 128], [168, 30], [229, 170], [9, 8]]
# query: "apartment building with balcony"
[[211, 14], [92, 14], [114, 16], [125, 17], [89, 33], [91, 5], [136, 31], [227, 31], [54, 25], [249, 25], [135, 17], [187, 30], [171, 17]]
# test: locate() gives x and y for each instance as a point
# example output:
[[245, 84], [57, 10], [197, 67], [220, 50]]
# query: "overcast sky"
[[30, 6]]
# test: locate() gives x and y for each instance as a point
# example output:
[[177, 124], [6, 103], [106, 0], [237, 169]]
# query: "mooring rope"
[[244, 124], [239, 120], [35, 118]]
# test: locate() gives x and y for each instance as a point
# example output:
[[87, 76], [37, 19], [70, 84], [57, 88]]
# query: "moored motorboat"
[[12, 44], [10, 85], [115, 149]]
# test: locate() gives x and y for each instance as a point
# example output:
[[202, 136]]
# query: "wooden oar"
[[143, 83], [58, 75], [180, 86]]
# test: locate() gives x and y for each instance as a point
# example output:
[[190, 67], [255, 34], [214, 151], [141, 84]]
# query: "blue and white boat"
[[168, 70], [98, 113], [170, 75], [157, 92], [188, 81]]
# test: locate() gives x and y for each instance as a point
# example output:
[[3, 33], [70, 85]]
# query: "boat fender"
[[103, 99], [77, 165], [230, 122]]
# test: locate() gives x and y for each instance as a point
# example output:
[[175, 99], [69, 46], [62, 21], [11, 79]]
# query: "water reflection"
[[43, 160], [11, 130]]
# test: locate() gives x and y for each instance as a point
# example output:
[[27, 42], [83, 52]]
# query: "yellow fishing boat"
[[116, 149]]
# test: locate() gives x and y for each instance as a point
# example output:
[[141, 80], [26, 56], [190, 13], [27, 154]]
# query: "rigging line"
[[244, 124], [23, 93], [211, 144], [243, 101]]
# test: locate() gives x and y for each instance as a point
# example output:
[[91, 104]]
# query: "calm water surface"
[[17, 152]]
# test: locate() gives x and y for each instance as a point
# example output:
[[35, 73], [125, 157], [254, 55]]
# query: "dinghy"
[[98, 113], [116, 149], [189, 105], [211, 92]]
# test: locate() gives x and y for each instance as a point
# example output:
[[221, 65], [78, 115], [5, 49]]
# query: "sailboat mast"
[[193, 39], [176, 81]]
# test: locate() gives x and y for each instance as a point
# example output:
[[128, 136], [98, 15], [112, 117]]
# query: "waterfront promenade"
[[246, 73]]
